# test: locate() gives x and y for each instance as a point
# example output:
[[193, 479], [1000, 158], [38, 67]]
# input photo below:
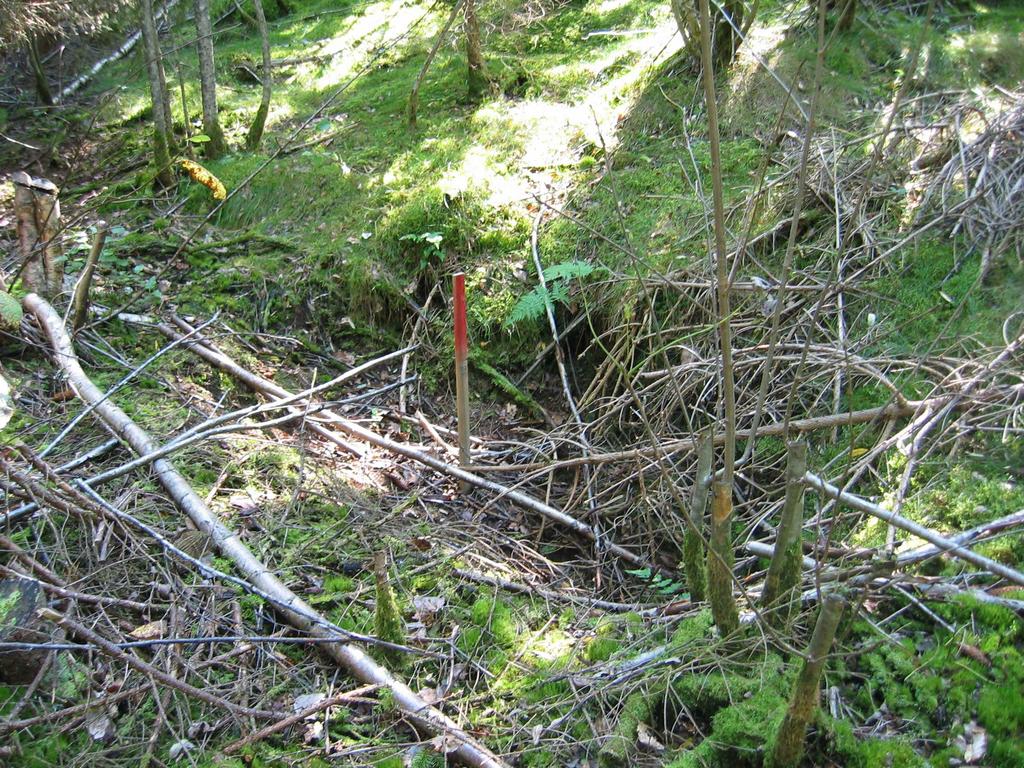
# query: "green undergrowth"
[[922, 684]]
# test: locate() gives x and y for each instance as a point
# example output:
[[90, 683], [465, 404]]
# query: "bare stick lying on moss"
[[110, 649], [947, 545], [465, 748]]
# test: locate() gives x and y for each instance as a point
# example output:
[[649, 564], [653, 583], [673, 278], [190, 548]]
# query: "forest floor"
[[591, 154]]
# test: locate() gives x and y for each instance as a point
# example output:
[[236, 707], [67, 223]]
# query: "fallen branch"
[[110, 649], [944, 544], [882, 413], [352, 429], [465, 748], [76, 85], [342, 698]]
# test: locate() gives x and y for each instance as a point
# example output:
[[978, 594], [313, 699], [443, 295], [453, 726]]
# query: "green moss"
[[601, 649], [495, 618], [10, 312], [616, 750]]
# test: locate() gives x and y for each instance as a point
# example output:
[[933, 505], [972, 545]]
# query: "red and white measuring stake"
[[461, 368]]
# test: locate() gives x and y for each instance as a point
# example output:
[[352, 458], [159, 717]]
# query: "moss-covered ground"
[[354, 218]]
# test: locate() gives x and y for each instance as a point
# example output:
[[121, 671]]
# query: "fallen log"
[[464, 747], [258, 383], [126, 47]]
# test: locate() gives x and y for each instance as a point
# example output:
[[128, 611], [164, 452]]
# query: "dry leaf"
[[645, 739], [427, 608], [977, 743], [100, 727], [152, 631], [445, 743], [179, 748], [429, 695], [305, 701], [314, 732]]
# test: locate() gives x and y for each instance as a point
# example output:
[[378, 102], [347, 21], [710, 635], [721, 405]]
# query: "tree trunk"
[[720, 562], [784, 571], [693, 539], [725, 40], [162, 141], [37, 211], [477, 78], [42, 84], [80, 301], [252, 140], [848, 16], [216, 146], [789, 743]]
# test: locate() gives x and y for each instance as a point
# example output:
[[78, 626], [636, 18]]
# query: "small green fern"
[[531, 306]]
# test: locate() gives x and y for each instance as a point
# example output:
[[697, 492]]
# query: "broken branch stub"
[[37, 211]]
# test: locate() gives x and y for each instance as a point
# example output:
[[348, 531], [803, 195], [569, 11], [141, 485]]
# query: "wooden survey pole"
[[461, 368]]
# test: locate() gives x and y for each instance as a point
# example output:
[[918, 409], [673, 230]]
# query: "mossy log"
[[19, 601], [387, 615]]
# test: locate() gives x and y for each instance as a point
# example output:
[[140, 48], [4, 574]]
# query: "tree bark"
[[724, 38], [464, 747], [80, 301], [216, 146], [255, 135], [720, 562], [478, 82], [37, 211], [162, 135], [785, 569], [721, 252], [42, 84], [789, 743], [693, 539]]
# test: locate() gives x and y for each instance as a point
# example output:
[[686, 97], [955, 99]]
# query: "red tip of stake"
[[461, 336]]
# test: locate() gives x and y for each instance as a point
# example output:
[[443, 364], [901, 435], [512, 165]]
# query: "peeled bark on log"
[[789, 743], [351, 428], [784, 571], [720, 562], [464, 747], [37, 211]]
